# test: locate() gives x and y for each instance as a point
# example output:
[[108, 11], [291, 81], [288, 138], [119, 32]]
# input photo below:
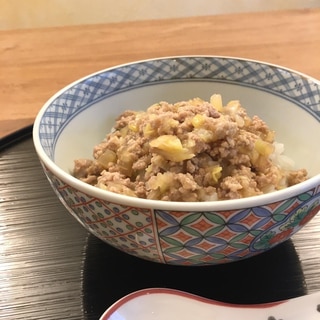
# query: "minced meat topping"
[[189, 151]]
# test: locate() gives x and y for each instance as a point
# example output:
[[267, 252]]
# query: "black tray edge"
[[15, 137]]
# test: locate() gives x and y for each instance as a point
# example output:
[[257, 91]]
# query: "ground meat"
[[87, 170], [188, 151], [297, 176]]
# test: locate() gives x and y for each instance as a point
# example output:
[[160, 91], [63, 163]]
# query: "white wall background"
[[45, 13]]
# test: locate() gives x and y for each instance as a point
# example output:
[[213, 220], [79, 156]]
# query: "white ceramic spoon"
[[168, 304]]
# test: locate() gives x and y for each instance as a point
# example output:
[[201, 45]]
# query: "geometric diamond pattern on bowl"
[[203, 237], [129, 229]]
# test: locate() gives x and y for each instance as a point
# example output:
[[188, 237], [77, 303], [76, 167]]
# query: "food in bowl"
[[190, 151], [184, 233]]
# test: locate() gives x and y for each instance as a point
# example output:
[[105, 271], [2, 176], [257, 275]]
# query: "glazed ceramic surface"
[[166, 304], [79, 116]]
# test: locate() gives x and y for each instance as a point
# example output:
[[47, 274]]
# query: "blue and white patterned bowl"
[[78, 117]]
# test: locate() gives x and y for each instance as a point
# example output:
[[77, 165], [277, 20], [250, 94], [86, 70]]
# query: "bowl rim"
[[217, 205]]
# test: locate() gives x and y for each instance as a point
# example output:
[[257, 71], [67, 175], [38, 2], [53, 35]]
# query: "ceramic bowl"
[[184, 233]]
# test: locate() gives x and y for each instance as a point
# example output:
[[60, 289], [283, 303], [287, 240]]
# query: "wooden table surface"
[[35, 63]]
